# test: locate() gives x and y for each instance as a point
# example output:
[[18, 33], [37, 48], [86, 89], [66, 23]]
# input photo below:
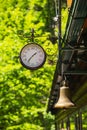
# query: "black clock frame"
[[28, 67]]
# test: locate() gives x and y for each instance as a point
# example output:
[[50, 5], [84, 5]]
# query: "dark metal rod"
[[75, 72], [59, 34], [73, 49], [32, 34], [80, 120], [77, 18], [68, 123]]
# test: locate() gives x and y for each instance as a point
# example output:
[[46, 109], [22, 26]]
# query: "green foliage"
[[64, 19], [24, 93]]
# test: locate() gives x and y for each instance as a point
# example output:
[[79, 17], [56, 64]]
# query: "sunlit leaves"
[[24, 93], [64, 19]]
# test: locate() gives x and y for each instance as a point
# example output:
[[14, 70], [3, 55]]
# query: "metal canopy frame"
[[68, 49]]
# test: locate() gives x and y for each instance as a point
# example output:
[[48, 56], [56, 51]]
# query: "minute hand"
[[32, 56]]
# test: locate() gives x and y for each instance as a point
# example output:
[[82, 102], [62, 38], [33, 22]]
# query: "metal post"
[[32, 34], [59, 33], [68, 123], [62, 125], [76, 122], [80, 120]]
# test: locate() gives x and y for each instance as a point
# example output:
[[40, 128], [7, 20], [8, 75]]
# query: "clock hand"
[[32, 56]]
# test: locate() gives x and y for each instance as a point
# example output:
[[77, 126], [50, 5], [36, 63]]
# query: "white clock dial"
[[32, 56]]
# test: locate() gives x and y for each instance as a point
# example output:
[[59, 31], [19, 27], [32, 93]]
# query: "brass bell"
[[64, 100]]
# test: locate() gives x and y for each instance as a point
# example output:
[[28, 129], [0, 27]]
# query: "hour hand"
[[32, 56]]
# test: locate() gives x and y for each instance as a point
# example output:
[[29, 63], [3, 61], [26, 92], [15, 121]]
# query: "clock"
[[32, 56]]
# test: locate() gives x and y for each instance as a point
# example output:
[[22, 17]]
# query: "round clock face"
[[32, 56]]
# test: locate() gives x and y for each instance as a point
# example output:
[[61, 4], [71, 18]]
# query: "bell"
[[64, 100]]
